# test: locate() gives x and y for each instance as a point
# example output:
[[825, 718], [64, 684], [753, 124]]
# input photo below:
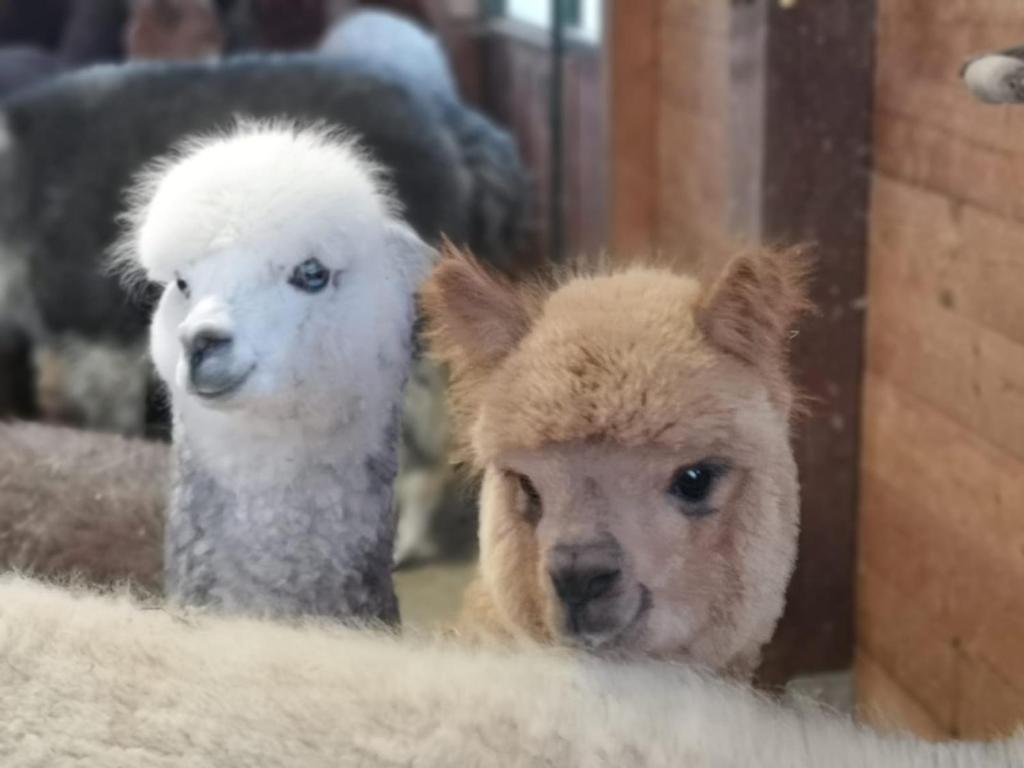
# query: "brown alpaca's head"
[[639, 489]]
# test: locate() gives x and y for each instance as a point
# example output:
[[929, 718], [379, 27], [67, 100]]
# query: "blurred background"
[[679, 126]]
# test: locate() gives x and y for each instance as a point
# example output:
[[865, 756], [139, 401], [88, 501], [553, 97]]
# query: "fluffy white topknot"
[[202, 200]]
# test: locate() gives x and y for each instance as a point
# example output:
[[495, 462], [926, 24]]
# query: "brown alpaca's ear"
[[474, 316], [752, 307]]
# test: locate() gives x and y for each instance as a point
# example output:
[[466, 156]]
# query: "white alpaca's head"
[[289, 276]]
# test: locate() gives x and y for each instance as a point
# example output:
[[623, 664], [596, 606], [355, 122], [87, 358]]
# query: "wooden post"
[[633, 66], [819, 70]]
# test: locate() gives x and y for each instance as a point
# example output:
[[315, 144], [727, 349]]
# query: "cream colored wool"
[[88, 680]]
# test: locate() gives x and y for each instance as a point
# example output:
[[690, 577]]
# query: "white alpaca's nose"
[[210, 318], [207, 343]]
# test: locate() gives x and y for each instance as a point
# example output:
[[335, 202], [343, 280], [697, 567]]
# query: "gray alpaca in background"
[[60, 190]]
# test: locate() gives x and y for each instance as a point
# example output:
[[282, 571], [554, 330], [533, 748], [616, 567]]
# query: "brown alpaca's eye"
[[693, 485], [531, 505]]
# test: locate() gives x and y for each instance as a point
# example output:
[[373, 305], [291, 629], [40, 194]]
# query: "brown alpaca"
[[633, 430], [83, 504]]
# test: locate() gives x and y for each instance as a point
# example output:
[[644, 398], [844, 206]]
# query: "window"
[[582, 17]]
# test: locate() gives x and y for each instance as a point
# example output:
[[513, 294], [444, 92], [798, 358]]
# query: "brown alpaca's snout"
[[592, 596]]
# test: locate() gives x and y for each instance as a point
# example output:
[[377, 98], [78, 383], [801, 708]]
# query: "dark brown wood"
[[819, 70]]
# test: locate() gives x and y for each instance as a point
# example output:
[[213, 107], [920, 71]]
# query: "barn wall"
[[940, 607]]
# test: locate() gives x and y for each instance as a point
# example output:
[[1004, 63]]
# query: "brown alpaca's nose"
[[576, 587]]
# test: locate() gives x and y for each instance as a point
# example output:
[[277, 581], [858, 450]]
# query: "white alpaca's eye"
[[182, 286], [310, 276]]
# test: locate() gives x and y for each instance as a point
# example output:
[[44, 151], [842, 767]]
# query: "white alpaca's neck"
[[285, 518]]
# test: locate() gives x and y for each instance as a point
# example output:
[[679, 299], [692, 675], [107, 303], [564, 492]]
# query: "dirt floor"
[[430, 595]]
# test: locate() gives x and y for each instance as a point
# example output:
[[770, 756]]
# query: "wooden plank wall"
[[940, 616]]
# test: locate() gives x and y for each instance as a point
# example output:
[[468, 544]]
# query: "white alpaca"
[[86, 680], [283, 336]]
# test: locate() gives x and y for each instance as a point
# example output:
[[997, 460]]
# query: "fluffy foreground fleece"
[[88, 680]]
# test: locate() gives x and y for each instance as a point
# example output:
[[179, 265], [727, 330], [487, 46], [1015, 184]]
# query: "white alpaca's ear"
[[415, 257], [475, 317]]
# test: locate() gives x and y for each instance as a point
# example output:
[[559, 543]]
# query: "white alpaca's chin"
[[229, 399], [228, 393]]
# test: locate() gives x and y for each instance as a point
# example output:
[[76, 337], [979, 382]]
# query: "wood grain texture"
[[942, 547], [948, 253], [931, 156], [970, 491], [941, 526], [918, 658], [920, 57], [692, 132], [634, 80], [885, 705], [816, 177], [958, 366], [989, 708]]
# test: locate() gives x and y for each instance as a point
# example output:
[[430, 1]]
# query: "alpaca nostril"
[[205, 343], [577, 587]]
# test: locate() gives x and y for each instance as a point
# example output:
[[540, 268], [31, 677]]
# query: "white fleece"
[[90, 680]]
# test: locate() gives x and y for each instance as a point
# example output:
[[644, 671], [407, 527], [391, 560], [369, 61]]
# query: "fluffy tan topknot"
[[590, 352]]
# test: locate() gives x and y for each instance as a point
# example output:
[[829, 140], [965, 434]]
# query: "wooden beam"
[[634, 76], [819, 70]]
